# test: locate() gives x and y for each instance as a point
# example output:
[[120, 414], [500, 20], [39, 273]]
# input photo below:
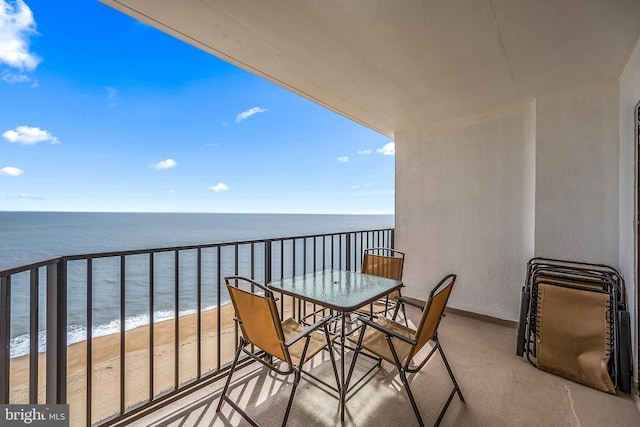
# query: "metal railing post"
[[34, 317], [56, 390], [347, 249], [267, 261], [5, 337]]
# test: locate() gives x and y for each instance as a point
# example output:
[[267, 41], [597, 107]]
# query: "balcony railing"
[[51, 311]]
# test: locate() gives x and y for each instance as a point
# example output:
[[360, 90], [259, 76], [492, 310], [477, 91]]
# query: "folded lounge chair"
[[574, 323]]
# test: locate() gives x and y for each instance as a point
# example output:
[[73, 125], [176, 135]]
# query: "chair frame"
[[266, 359], [398, 300], [405, 368]]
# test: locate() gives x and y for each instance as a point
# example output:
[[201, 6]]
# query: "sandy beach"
[[106, 364]]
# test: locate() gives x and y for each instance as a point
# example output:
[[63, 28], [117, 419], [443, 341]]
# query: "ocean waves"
[[20, 345]]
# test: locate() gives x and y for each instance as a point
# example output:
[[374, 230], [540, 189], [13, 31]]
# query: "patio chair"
[[265, 338], [397, 344], [388, 263]]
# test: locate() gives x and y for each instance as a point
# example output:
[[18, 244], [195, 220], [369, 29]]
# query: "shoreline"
[[105, 379], [99, 330]]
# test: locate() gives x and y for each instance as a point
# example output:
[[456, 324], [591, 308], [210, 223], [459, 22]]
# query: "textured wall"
[[481, 196], [577, 175], [463, 198], [629, 98]]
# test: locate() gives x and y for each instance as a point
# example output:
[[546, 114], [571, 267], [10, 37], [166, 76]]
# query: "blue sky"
[[100, 112]]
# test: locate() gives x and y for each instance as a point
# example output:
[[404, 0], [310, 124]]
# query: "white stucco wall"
[[481, 196], [629, 98], [463, 203], [577, 157]]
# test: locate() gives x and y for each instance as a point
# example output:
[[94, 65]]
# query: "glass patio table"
[[339, 290]]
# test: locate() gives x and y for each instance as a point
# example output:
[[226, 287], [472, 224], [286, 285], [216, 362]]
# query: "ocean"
[[27, 237]]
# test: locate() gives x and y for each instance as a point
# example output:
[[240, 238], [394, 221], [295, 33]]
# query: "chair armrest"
[[388, 331], [306, 331], [411, 303]]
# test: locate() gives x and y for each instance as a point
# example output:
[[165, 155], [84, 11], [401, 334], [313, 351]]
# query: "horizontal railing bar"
[[25, 267]]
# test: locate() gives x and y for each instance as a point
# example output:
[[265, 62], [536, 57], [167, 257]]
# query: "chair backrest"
[[383, 262], [258, 316], [432, 313]]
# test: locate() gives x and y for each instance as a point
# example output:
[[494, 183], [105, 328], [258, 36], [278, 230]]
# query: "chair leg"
[[446, 364], [355, 357], [233, 368], [455, 390], [405, 382], [399, 306], [296, 381], [331, 355], [404, 313]]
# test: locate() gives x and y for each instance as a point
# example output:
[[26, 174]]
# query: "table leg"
[[343, 393]]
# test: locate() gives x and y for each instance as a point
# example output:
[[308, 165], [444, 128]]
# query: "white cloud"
[[219, 187], [27, 135], [13, 78], [343, 159], [171, 190], [388, 149], [16, 24], [246, 114], [30, 196], [365, 151], [165, 164], [11, 171]]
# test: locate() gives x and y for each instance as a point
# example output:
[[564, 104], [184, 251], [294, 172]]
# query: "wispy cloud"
[[11, 171], [112, 93], [246, 114], [219, 187], [165, 164], [343, 159], [13, 78], [388, 149], [30, 196], [27, 135], [358, 186], [365, 151], [16, 25]]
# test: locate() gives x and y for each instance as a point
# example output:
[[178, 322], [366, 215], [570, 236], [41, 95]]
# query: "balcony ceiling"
[[405, 65]]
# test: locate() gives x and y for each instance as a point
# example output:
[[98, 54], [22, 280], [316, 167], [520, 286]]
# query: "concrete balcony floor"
[[500, 389]]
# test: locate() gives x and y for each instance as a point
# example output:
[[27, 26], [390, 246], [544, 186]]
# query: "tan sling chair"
[[388, 263], [398, 344], [573, 333], [264, 332]]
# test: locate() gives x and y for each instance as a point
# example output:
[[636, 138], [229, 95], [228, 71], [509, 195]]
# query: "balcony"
[[169, 370], [500, 389]]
